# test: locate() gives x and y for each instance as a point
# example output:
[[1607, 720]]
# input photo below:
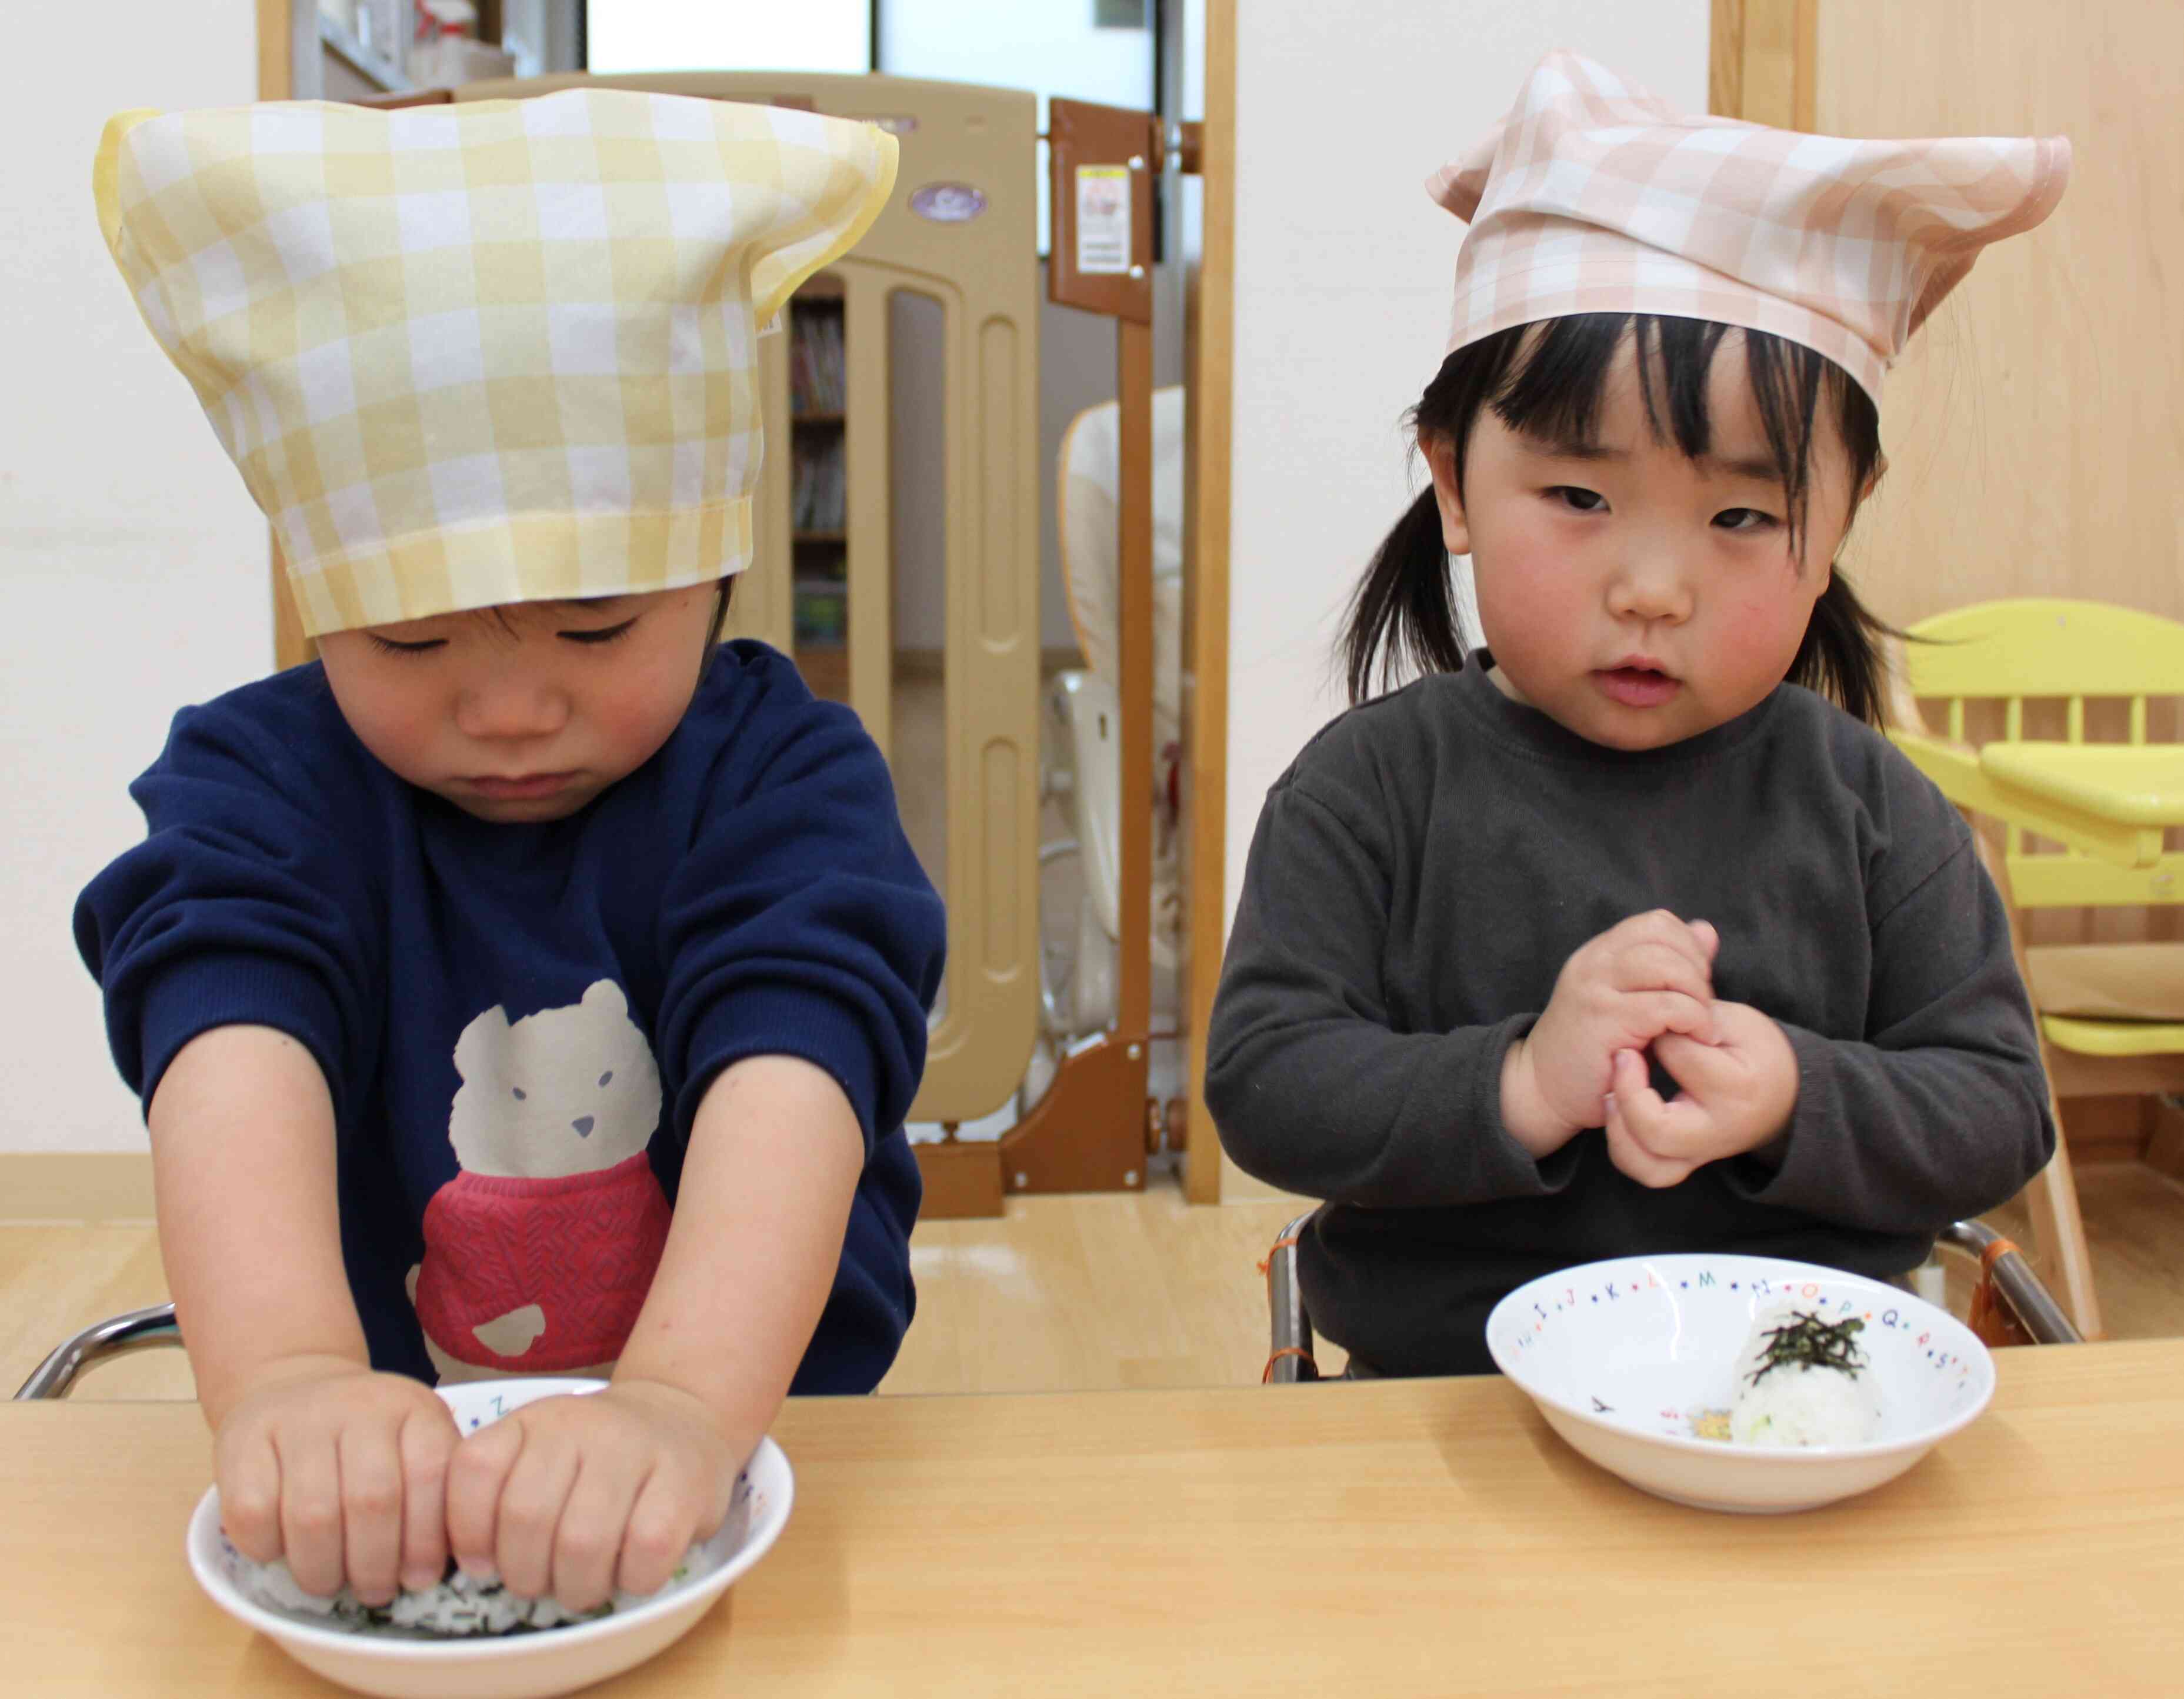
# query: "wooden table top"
[[2132, 784], [1388, 1537]]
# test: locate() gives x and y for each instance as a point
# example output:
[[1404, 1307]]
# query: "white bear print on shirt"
[[539, 1254], [565, 1091]]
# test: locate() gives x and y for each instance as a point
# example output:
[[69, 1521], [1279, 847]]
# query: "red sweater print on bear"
[[539, 1254]]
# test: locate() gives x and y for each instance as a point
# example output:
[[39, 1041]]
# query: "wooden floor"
[[1092, 1292], [1061, 1294]]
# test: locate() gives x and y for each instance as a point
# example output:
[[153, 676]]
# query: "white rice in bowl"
[[1804, 1380], [459, 1607]]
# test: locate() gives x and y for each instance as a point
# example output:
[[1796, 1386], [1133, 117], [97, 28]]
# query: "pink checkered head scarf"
[[1594, 196]]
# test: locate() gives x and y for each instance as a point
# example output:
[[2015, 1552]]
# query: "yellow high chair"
[[2111, 1015]]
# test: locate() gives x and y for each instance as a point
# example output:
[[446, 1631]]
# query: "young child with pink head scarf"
[[1620, 929]]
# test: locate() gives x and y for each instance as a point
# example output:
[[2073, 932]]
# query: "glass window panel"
[[1046, 47], [729, 34]]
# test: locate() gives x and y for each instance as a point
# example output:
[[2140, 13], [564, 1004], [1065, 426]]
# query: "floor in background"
[[56, 1279], [1090, 1292]]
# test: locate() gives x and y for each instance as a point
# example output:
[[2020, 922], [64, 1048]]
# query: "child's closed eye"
[[591, 639], [386, 645]]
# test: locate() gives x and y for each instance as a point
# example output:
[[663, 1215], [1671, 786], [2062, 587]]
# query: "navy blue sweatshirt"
[[517, 1023]]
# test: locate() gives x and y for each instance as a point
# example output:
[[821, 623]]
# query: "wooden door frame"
[[1205, 617], [278, 49]]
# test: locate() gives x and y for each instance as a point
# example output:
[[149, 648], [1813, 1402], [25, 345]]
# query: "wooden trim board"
[[2107, 1129], [2074, 1075], [2165, 1141], [276, 81], [274, 76], [1763, 61], [75, 1186], [1726, 59]]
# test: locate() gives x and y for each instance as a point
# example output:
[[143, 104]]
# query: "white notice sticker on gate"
[[1103, 219]]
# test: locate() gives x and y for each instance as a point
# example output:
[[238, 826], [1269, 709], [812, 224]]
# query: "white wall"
[[1343, 275], [134, 563]]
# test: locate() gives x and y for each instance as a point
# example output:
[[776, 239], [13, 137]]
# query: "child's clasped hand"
[[1737, 1094], [1646, 984]]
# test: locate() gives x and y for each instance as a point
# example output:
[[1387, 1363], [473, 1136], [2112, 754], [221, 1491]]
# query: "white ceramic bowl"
[[1623, 1358], [523, 1666]]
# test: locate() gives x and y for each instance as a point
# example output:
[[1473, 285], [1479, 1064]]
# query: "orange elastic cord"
[[1267, 1262], [1989, 1317]]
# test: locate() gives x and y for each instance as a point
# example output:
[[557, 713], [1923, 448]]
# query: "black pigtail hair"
[[720, 611], [1402, 614], [1402, 617]]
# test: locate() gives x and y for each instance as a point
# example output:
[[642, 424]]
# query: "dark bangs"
[[1554, 375], [499, 616]]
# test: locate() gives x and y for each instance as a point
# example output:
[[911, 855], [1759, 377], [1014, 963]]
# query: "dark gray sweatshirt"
[[1419, 879]]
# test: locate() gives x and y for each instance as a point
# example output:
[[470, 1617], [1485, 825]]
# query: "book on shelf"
[[819, 490], [818, 371], [821, 612]]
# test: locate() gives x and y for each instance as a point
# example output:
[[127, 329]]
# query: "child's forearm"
[[775, 1155], [243, 1162], [1525, 1116], [1343, 1108]]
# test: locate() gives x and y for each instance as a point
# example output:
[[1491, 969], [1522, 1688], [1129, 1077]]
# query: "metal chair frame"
[[1290, 1360], [103, 1342]]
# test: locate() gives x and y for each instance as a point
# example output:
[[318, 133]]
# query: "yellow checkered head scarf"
[[481, 353]]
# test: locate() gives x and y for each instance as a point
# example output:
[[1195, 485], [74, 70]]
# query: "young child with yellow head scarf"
[[530, 984]]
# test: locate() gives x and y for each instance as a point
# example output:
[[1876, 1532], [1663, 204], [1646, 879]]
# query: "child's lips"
[[1637, 686], [520, 789]]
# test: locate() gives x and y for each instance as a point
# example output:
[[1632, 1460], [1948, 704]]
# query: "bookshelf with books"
[[818, 395]]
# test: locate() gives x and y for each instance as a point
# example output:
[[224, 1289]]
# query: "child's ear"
[[1455, 531]]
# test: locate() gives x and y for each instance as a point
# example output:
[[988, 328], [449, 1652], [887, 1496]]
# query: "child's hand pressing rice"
[[580, 1498], [339, 1471]]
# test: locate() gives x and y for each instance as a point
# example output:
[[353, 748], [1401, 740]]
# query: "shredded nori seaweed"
[[471, 1610], [1807, 1340], [466, 1607]]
